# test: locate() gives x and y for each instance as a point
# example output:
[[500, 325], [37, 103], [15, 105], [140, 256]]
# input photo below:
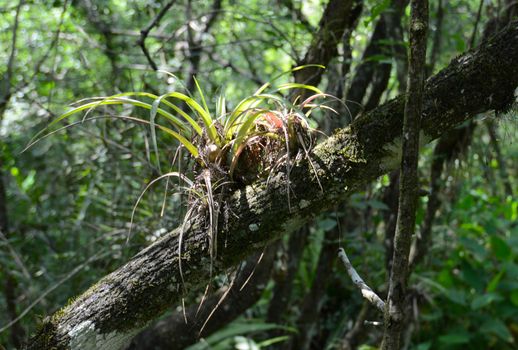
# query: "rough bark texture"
[[408, 179], [502, 168], [371, 71], [173, 333], [112, 311], [312, 303], [335, 20], [280, 301], [391, 199], [451, 144]]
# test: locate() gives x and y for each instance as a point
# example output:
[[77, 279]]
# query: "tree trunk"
[[408, 178]]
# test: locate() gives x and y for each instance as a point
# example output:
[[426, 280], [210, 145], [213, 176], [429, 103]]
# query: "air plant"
[[228, 149]]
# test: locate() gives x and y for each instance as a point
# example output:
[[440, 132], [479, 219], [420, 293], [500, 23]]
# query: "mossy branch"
[[111, 312]]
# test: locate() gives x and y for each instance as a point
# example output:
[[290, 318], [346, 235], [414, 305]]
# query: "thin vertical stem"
[[408, 190]]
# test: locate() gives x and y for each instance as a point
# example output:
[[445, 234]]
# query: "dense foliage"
[[69, 198]]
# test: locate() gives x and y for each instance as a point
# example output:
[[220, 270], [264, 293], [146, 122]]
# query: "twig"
[[5, 91], [145, 32], [229, 64], [475, 27], [51, 46], [16, 257], [366, 291], [297, 12], [53, 287]]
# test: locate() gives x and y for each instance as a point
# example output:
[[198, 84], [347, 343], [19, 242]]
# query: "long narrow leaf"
[[186, 143], [175, 121], [204, 115], [294, 69], [243, 131], [202, 96], [119, 101], [221, 108], [152, 114], [291, 86]]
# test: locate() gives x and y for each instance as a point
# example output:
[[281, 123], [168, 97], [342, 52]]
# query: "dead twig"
[[145, 32], [366, 291]]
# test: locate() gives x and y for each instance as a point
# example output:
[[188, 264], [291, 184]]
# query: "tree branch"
[[323, 48], [145, 32], [5, 87], [173, 333], [366, 291], [112, 311]]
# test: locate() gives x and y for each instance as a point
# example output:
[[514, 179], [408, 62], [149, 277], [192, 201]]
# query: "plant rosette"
[[263, 133]]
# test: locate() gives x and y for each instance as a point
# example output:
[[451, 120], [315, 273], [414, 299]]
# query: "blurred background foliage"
[[68, 199]]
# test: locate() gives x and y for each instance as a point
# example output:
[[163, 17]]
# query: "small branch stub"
[[366, 291]]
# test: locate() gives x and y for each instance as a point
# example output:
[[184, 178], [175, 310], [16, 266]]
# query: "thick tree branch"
[[173, 333], [112, 311]]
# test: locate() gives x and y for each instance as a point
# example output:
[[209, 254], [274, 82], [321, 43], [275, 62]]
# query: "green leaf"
[[500, 248], [476, 248], [291, 86], [202, 96], [243, 130], [221, 110], [327, 224], [203, 114], [152, 115], [424, 346], [244, 343], [491, 287], [367, 347], [497, 327], [455, 337], [28, 182], [481, 301], [271, 341], [236, 329], [375, 204], [376, 10], [458, 296], [514, 297]]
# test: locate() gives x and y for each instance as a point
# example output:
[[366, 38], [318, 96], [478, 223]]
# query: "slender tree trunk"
[[280, 301], [450, 145], [409, 186], [312, 303], [502, 167]]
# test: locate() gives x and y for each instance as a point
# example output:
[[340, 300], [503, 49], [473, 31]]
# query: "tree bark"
[[502, 167], [112, 311], [387, 27], [408, 179], [335, 20], [312, 303], [280, 301], [173, 333]]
